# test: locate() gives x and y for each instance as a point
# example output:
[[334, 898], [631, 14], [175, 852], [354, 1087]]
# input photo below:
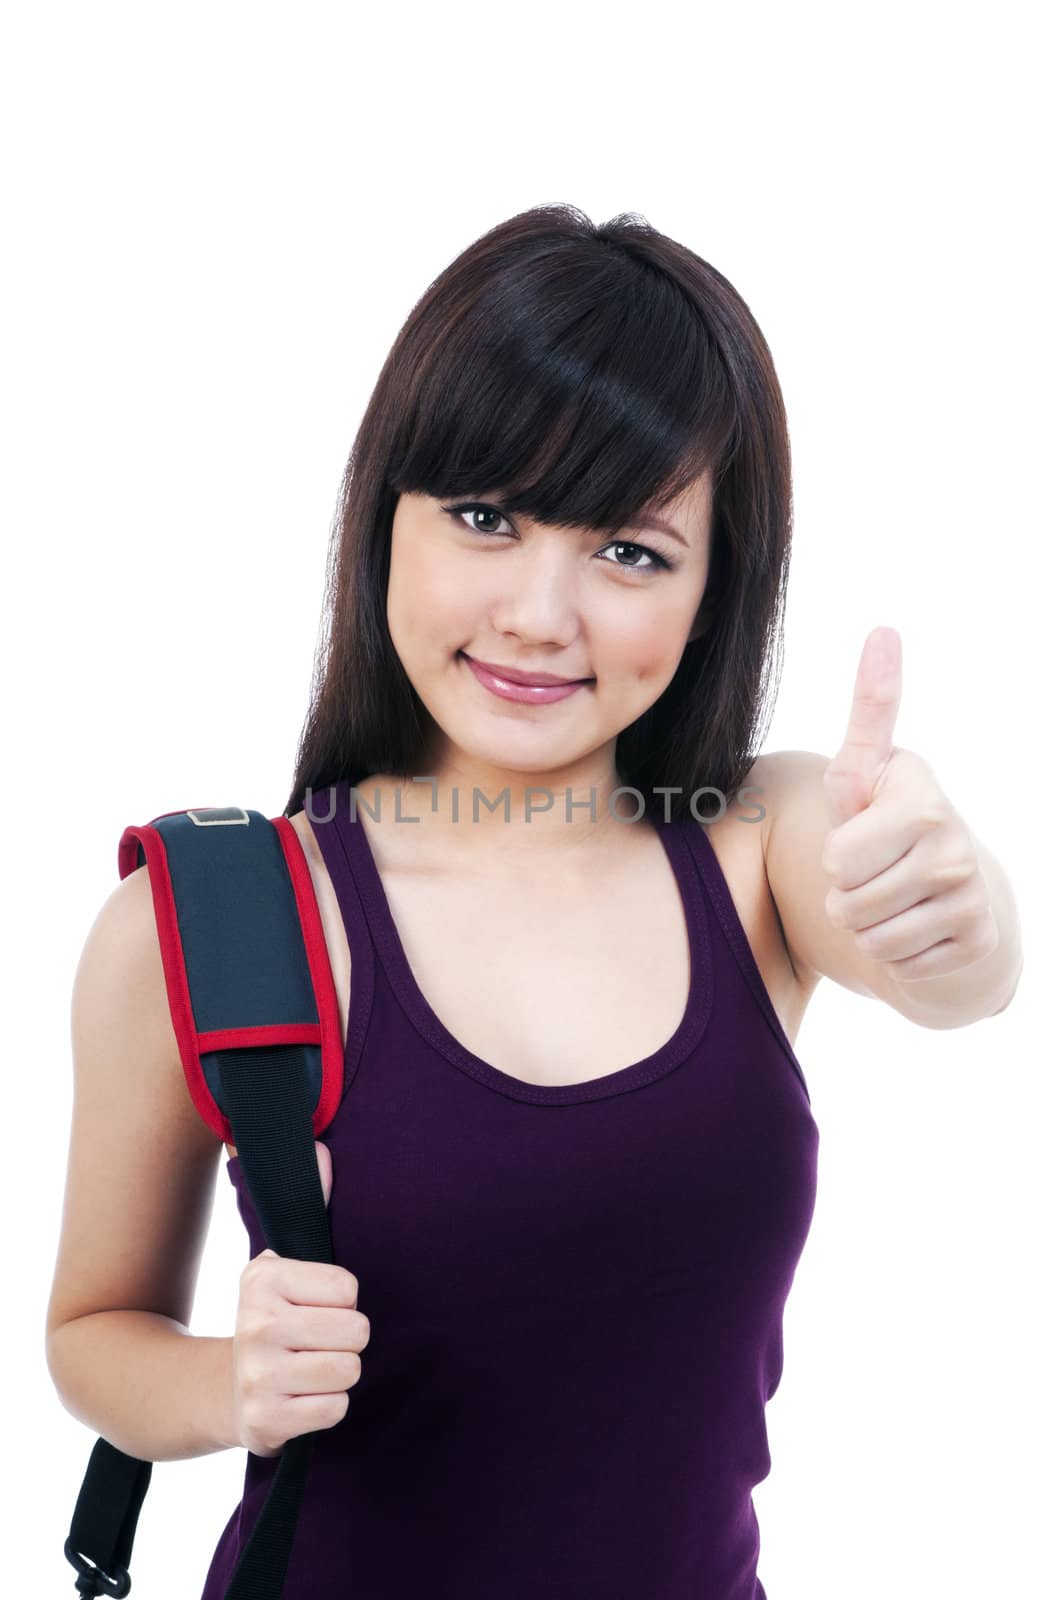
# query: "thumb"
[[324, 1167], [849, 780]]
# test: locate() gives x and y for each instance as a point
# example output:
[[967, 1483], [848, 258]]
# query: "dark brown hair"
[[583, 374]]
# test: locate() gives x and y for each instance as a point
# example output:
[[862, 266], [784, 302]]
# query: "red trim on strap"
[[258, 1033], [173, 965], [317, 955]]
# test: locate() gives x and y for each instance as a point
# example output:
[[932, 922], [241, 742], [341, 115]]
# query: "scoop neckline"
[[365, 873]]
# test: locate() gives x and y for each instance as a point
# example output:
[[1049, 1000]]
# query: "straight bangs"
[[581, 397]]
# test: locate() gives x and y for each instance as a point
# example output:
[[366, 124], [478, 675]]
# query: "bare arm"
[[145, 1383], [141, 1175]]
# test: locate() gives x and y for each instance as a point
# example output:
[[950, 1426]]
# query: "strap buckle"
[[93, 1579], [218, 816]]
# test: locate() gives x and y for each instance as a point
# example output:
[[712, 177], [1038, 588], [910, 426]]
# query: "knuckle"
[[833, 863], [258, 1324], [834, 906], [934, 811], [980, 921], [258, 1424], [252, 1376], [952, 872]]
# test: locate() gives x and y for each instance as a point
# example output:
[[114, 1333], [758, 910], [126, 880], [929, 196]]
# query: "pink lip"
[[527, 688], [514, 675]]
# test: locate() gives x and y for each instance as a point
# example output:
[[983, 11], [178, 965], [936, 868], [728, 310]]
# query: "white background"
[[218, 219]]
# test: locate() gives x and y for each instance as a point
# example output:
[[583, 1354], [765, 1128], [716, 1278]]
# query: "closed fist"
[[297, 1344]]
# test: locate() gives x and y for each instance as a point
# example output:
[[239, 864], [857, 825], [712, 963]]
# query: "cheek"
[[426, 598], [643, 643]]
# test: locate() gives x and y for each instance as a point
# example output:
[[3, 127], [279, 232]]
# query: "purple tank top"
[[576, 1293]]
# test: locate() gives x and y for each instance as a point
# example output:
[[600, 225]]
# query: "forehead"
[[690, 512], [692, 505]]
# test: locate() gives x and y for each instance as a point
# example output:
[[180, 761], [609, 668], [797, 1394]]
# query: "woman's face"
[[538, 598]]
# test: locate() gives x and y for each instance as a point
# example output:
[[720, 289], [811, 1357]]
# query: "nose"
[[539, 600]]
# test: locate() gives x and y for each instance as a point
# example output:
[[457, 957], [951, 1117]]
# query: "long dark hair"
[[582, 373]]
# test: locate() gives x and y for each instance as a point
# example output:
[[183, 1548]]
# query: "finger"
[[850, 778], [872, 843]]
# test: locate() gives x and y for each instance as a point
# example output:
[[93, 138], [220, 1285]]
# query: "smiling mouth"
[[528, 694], [532, 680]]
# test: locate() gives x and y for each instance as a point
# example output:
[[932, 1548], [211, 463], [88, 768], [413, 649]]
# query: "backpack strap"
[[256, 1019], [243, 949]]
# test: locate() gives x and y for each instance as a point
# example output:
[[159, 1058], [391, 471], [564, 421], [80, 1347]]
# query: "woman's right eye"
[[459, 513]]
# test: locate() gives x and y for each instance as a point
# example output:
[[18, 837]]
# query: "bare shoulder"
[[133, 1223], [740, 839], [742, 836], [776, 774], [328, 906], [308, 839], [331, 917], [788, 787]]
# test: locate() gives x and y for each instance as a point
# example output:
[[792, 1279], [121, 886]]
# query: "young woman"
[[574, 922]]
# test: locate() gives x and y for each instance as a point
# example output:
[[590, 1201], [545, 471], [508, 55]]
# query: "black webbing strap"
[[105, 1520], [268, 1108]]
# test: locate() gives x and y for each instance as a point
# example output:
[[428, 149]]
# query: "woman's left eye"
[[656, 561], [624, 544]]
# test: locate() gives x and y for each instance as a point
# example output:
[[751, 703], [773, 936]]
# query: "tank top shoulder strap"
[[717, 892], [326, 814]]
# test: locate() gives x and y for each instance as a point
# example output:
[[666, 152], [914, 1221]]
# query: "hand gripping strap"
[[243, 949]]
